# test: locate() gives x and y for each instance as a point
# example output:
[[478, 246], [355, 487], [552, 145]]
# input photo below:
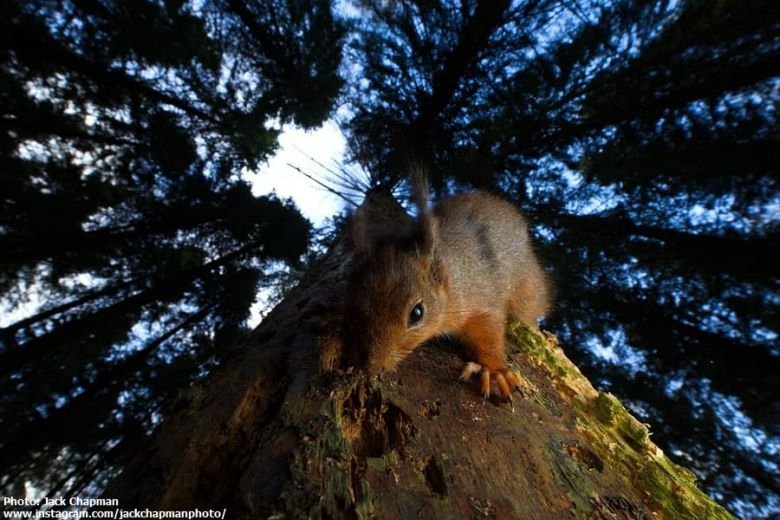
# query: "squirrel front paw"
[[505, 380]]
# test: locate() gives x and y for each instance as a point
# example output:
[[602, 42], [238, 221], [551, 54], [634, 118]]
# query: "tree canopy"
[[639, 136], [642, 139], [125, 226]]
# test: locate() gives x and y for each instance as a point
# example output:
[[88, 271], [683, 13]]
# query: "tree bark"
[[280, 431]]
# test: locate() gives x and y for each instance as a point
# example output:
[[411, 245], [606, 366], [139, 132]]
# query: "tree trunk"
[[280, 431]]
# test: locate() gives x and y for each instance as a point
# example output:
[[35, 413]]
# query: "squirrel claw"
[[469, 370], [485, 384], [505, 380]]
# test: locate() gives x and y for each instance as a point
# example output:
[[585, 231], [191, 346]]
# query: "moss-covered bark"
[[280, 432]]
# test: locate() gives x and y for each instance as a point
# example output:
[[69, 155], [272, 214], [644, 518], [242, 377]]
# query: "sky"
[[298, 147], [325, 145], [304, 149]]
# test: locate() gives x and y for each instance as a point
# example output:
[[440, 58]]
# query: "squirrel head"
[[397, 292]]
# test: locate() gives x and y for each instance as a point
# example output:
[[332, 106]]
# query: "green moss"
[[608, 408], [635, 430], [569, 475], [378, 464], [611, 412], [364, 506], [533, 344], [527, 339], [672, 488], [332, 407], [320, 480]]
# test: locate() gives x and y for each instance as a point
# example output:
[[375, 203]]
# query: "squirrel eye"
[[417, 313]]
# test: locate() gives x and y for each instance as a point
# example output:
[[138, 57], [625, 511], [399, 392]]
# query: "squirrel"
[[461, 269]]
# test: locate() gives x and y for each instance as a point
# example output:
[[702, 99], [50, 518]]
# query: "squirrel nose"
[[375, 365]]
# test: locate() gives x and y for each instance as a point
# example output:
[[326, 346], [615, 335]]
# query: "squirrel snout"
[[374, 366], [378, 361]]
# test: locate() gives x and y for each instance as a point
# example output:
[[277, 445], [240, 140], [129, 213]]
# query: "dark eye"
[[418, 311]]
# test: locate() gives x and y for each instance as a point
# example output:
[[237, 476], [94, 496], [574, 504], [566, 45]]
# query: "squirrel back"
[[461, 268], [488, 252]]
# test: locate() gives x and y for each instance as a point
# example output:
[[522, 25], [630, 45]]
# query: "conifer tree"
[[641, 138], [130, 246]]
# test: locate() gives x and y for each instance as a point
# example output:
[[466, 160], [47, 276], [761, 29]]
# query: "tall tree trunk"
[[280, 430]]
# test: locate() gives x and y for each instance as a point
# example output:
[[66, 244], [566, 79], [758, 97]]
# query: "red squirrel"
[[461, 268]]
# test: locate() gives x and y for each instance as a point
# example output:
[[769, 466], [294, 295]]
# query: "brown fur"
[[469, 261]]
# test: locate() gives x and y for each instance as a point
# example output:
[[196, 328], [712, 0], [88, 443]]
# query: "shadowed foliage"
[[641, 137], [130, 247]]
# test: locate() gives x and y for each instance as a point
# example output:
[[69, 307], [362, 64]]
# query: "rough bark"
[[279, 431]]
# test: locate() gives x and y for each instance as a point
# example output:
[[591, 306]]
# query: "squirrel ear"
[[358, 235], [427, 228], [439, 273], [427, 231]]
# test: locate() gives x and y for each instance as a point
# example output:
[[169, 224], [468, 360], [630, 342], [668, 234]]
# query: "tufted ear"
[[439, 274], [426, 233], [360, 237], [426, 225]]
